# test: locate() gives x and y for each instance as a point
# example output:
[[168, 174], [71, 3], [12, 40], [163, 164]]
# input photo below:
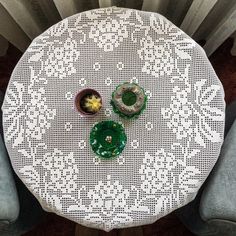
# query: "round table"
[[172, 146]]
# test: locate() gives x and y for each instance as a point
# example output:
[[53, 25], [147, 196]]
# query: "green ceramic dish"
[[108, 139], [128, 100]]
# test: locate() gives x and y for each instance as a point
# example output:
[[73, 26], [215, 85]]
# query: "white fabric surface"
[[170, 149]]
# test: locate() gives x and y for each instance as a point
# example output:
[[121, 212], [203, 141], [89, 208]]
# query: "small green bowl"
[[129, 100], [108, 139]]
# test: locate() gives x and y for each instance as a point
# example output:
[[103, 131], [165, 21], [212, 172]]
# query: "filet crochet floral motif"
[[165, 155]]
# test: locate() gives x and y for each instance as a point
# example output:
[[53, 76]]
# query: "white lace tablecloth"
[[170, 149]]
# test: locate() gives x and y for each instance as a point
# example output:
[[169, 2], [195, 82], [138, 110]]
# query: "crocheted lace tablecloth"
[[171, 147]]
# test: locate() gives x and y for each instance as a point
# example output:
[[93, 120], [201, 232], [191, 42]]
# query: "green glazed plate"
[[108, 139]]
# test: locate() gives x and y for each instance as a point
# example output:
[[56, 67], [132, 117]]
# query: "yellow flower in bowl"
[[92, 103]]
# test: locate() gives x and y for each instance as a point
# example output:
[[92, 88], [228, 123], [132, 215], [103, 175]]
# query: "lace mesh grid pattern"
[[170, 149]]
